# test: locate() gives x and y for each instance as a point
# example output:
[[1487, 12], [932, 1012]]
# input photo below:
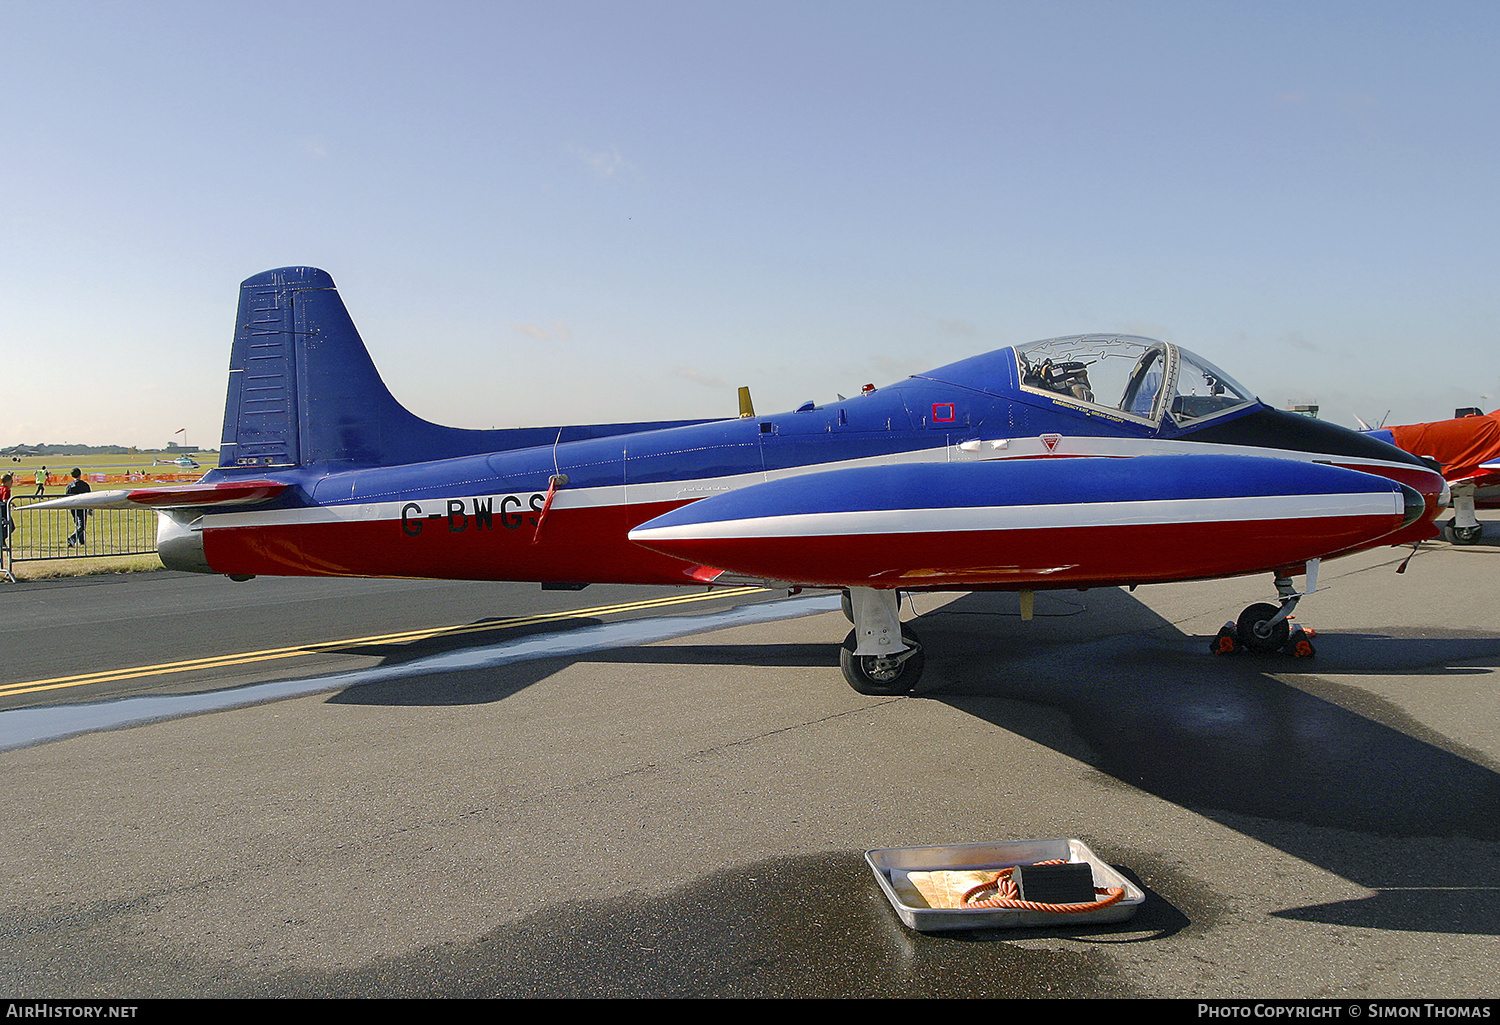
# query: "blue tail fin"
[[303, 390], [302, 387]]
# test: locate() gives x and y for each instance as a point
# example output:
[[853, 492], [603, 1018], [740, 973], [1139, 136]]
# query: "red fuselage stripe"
[[590, 544]]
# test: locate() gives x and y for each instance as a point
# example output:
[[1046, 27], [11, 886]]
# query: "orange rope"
[[552, 486], [1005, 895]]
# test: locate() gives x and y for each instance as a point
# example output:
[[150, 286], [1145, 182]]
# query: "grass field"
[[46, 569]]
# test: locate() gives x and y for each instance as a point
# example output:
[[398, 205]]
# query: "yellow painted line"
[[271, 654]]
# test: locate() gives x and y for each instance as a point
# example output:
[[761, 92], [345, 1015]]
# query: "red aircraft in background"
[[1468, 449]]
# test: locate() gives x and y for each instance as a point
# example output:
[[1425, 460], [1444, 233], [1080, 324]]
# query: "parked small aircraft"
[[186, 462], [1077, 462], [1468, 449]]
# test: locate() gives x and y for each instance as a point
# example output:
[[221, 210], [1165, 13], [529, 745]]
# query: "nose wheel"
[[1264, 628], [1261, 627]]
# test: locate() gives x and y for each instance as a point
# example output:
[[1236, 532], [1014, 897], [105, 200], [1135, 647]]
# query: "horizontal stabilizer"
[[226, 493]]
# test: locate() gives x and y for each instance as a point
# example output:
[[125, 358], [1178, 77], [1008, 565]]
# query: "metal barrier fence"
[[54, 533]]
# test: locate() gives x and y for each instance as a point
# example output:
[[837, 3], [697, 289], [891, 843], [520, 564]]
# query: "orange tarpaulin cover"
[[1460, 445]]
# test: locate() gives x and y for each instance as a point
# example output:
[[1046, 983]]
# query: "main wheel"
[[1466, 535], [883, 675], [1254, 632]]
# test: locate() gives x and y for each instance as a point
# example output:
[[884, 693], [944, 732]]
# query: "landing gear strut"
[[880, 656], [1465, 528], [1264, 627]]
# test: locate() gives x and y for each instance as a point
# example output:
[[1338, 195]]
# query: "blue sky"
[[560, 212]]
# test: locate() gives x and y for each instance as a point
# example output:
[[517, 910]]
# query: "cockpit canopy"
[[1139, 377]]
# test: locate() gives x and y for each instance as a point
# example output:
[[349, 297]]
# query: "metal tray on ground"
[[893, 866]]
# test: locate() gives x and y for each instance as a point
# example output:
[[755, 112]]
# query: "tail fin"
[[302, 387], [303, 390]]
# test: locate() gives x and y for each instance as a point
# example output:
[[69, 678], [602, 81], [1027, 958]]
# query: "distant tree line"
[[68, 450]]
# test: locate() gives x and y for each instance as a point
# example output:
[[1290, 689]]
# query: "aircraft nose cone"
[[1416, 505]]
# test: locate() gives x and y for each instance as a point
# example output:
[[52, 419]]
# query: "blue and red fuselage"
[[994, 472], [478, 517]]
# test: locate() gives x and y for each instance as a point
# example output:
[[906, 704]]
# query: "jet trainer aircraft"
[[1077, 462]]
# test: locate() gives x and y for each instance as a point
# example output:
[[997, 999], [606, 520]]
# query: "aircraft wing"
[[1481, 476], [180, 496]]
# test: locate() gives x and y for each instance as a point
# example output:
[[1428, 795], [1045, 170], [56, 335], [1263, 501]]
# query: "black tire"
[[1251, 630], [1466, 535], [881, 676], [847, 603]]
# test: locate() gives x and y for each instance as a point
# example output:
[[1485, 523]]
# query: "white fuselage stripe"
[[1020, 517]]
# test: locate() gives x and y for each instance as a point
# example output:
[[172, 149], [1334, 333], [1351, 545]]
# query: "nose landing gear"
[[1265, 628]]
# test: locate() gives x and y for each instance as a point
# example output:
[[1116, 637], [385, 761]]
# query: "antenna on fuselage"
[[747, 408]]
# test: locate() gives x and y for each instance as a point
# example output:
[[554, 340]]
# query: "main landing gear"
[[880, 656], [1464, 528], [1265, 628], [1466, 535]]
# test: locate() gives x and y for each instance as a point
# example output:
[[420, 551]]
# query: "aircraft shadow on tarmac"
[[482, 686], [479, 633], [1123, 690], [1229, 740]]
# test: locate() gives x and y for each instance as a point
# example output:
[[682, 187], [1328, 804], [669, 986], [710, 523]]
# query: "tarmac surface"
[[683, 810]]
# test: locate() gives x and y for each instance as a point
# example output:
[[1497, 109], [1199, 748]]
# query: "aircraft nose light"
[[1416, 505]]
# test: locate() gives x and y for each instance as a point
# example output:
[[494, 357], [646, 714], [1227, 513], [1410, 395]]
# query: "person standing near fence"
[[79, 486], [41, 481], [5, 521]]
